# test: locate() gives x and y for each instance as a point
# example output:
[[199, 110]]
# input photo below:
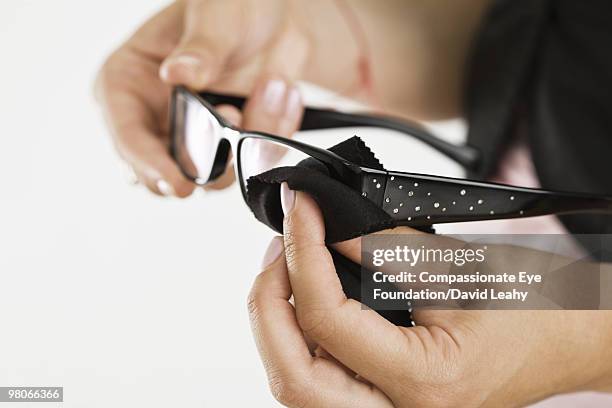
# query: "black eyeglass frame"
[[412, 199]]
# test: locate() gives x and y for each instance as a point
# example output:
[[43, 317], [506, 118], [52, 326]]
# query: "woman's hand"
[[238, 46], [404, 57], [329, 351]]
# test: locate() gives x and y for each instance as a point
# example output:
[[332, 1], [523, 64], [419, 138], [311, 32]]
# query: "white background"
[[122, 298]]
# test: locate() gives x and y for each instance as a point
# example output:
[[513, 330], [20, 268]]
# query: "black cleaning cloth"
[[346, 213]]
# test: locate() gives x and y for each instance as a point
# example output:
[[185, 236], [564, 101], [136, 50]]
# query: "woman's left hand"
[[329, 351]]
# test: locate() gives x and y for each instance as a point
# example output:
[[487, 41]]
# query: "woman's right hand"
[[240, 46], [321, 349]]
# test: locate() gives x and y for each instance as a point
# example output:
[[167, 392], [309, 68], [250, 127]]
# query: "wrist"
[[600, 355], [570, 353], [572, 348], [590, 334], [587, 352]]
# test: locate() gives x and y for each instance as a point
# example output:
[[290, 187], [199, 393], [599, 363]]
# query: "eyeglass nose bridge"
[[232, 136], [227, 143]]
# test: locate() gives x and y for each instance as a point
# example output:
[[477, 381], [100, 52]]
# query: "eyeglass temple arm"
[[313, 119], [415, 199]]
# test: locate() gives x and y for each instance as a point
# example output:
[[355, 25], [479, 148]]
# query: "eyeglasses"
[[202, 142]]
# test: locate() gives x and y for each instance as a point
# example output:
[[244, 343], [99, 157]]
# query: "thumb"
[[205, 45], [311, 268], [357, 337]]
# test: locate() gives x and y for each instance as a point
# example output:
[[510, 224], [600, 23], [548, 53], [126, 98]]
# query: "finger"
[[288, 55], [153, 164], [295, 377], [275, 107], [353, 251], [135, 65], [211, 33], [231, 114], [269, 304], [352, 248], [135, 137], [361, 339], [159, 36], [135, 102], [322, 353]]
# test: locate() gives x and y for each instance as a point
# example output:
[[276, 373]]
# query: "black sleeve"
[[547, 65]]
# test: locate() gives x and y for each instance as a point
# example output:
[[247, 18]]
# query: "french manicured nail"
[[287, 198], [273, 96], [293, 110], [201, 191], [294, 103], [275, 248], [165, 188], [187, 67]]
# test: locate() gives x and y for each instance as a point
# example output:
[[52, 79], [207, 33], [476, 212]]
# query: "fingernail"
[[287, 198], [165, 188], [201, 191], [131, 175], [293, 110], [186, 67], [275, 248], [294, 103], [273, 96]]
